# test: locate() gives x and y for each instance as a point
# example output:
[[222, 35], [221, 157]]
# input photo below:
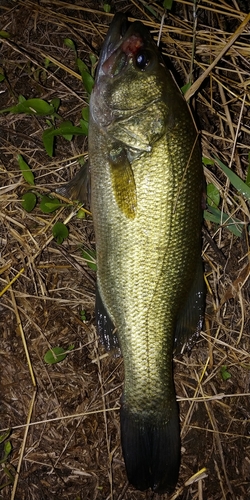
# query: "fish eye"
[[142, 60]]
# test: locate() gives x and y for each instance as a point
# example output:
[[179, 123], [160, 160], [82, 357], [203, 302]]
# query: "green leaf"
[[225, 373], [31, 107], [90, 258], [60, 232], [55, 103], [46, 62], [29, 201], [236, 181], [70, 44], [2, 77], [4, 34], [56, 355], [87, 80], [167, 4], [215, 215], [66, 130], [26, 170], [68, 137], [85, 113], [83, 315], [185, 88], [5, 436], [81, 214], [106, 7], [39, 107], [213, 195], [248, 171], [81, 65], [84, 127], [93, 61], [7, 449], [21, 99], [48, 140], [49, 204], [207, 161]]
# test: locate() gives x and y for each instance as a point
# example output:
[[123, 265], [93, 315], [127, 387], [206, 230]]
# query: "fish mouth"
[[115, 34], [123, 41]]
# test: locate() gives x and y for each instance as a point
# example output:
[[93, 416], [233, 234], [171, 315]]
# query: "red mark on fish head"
[[132, 45], [119, 58]]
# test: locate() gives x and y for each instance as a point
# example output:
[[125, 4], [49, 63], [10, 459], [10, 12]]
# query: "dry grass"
[[64, 417]]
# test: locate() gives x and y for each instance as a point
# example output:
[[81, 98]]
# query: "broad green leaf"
[[29, 201], [68, 137], [81, 214], [85, 113], [2, 77], [83, 315], [81, 65], [7, 448], [207, 161], [31, 107], [70, 44], [248, 172], [106, 7], [213, 195], [90, 257], [49, 204], [56, 354], [26, 170], [60, 232], [39, 107], [215, 215], [21, 98], [4, 34], [236, 181], [225, 373], [55, 103], [48, 140], [84, 127], [167, 4], [93, 61], [5, 436], [66, 130], [185, 88], [46, 62], [87, 80]]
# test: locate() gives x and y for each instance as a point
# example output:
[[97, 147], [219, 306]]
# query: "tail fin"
[[151, 450]]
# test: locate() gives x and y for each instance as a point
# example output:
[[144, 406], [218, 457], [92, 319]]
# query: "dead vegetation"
[[64, 418]]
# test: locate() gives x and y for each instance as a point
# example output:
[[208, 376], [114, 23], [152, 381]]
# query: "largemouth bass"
[[146, 192]]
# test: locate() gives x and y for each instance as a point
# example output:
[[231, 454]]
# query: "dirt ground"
[[64, 418]]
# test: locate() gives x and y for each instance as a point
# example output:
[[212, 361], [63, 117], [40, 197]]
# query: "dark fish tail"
[[151, 449]]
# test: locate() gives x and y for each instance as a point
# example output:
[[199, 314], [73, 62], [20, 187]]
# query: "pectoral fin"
[[123, 182], [79, 187], [190, 318]]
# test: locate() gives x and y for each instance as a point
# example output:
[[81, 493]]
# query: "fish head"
[[130, 73]]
